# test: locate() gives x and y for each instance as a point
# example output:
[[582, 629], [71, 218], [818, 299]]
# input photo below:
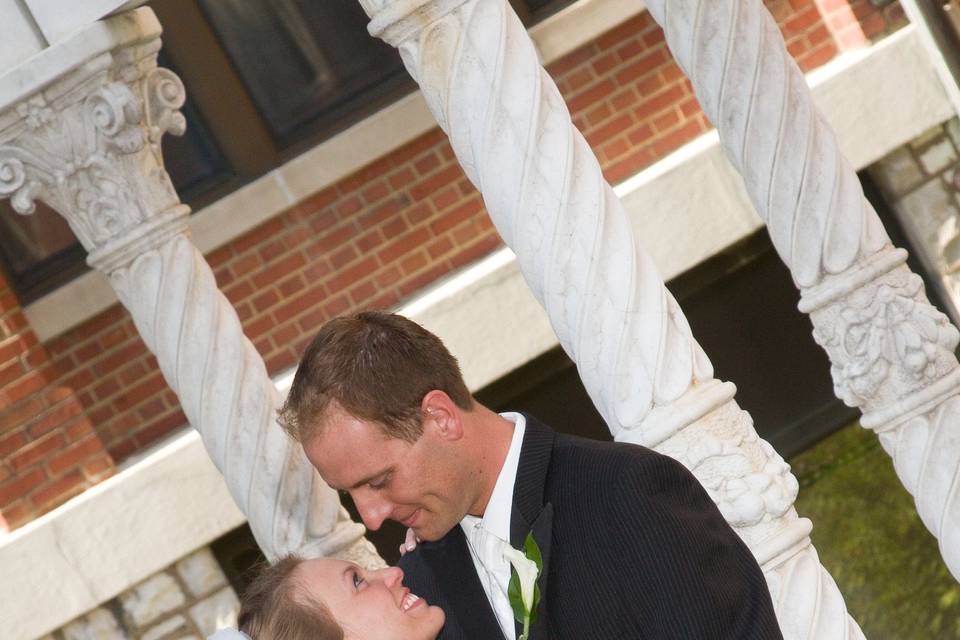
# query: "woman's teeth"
[[409, 600]]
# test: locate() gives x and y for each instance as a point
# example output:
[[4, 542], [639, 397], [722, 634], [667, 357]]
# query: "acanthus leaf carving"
[[74, 151], [105, 201]]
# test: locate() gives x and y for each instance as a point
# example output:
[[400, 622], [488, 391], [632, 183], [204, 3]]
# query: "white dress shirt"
[[483, 533]]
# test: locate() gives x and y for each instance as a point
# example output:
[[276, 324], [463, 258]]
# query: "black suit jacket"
[[633, 547]]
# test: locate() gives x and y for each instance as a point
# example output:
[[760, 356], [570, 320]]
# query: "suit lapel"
[[530, 511], [460, 586]]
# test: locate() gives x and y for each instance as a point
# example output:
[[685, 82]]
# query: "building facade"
[[351, 199]]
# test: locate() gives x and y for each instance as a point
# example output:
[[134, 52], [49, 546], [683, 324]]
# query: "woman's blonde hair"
[[273, 608]]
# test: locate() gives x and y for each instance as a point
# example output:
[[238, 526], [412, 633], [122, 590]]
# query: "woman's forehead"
[[319, 574]]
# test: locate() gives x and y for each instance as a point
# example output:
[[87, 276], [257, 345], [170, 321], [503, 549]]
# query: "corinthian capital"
[[88, 144]]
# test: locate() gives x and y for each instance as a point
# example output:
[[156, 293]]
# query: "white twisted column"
[[88, 144], [892, 353], [648, 377]]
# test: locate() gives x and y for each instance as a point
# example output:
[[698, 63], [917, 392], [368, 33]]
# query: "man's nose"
[[390, 576], [373, 509]]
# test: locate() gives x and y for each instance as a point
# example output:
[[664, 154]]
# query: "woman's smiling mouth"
[[410, 601]]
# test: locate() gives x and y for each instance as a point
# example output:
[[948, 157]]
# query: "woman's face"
[[373, 605]]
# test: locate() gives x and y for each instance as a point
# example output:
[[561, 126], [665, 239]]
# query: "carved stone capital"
[[88, 145], [749, 481], [889, 347]]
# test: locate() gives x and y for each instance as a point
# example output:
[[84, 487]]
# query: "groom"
[[632, 545]]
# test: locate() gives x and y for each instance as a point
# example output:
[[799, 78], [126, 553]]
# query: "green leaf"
[[516, 600], [532, 551]]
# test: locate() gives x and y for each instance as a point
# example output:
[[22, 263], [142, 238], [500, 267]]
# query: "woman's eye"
[[357, 580]]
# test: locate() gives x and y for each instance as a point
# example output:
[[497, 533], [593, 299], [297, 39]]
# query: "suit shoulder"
[[418, 573], [411, 561], [608, 465]]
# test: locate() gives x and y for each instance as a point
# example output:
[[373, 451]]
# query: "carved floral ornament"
[[95, 159], [744, 494], [886, 334]]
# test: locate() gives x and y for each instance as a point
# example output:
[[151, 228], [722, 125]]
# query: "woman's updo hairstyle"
[[274, 608]]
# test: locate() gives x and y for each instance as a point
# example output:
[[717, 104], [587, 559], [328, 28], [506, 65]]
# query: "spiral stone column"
[[892, 352], [85, 139], [648, 377]]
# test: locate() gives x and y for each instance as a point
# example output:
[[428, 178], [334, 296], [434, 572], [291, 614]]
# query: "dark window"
[[39, 250], [303, 60], [265, 79], [193, 160], [540, 9]]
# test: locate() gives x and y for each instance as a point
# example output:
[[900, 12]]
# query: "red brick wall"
[[855, 23], [380, 235], [49, 451]]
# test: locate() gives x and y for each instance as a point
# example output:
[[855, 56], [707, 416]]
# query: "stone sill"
[[271, 194], [689, 206]]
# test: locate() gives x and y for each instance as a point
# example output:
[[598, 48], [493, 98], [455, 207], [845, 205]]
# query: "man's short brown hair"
[[273, 608], [378, 367]]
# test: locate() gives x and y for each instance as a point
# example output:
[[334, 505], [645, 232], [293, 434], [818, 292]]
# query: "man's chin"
[[426, 535], [430, 534]]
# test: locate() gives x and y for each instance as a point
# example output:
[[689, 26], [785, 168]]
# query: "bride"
[[326, 599]]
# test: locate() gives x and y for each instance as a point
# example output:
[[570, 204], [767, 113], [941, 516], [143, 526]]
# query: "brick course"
[[375, 238], [49, 451], [855, 23]]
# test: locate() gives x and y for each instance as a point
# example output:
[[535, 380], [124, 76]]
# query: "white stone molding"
[[87, 143], [512, 133], [21, 37], [892, 353], [57, 23]]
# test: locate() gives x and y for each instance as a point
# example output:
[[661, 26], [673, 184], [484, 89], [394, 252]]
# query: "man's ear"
[[441, 415]]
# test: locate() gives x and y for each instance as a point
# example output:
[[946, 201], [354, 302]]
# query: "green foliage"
[[513, 593], [871, 540], [532, 552]]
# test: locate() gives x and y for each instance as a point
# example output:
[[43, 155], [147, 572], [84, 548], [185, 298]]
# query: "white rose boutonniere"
[[523, 591]]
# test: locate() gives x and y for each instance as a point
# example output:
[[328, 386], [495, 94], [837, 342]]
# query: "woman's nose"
[[391, 576]]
